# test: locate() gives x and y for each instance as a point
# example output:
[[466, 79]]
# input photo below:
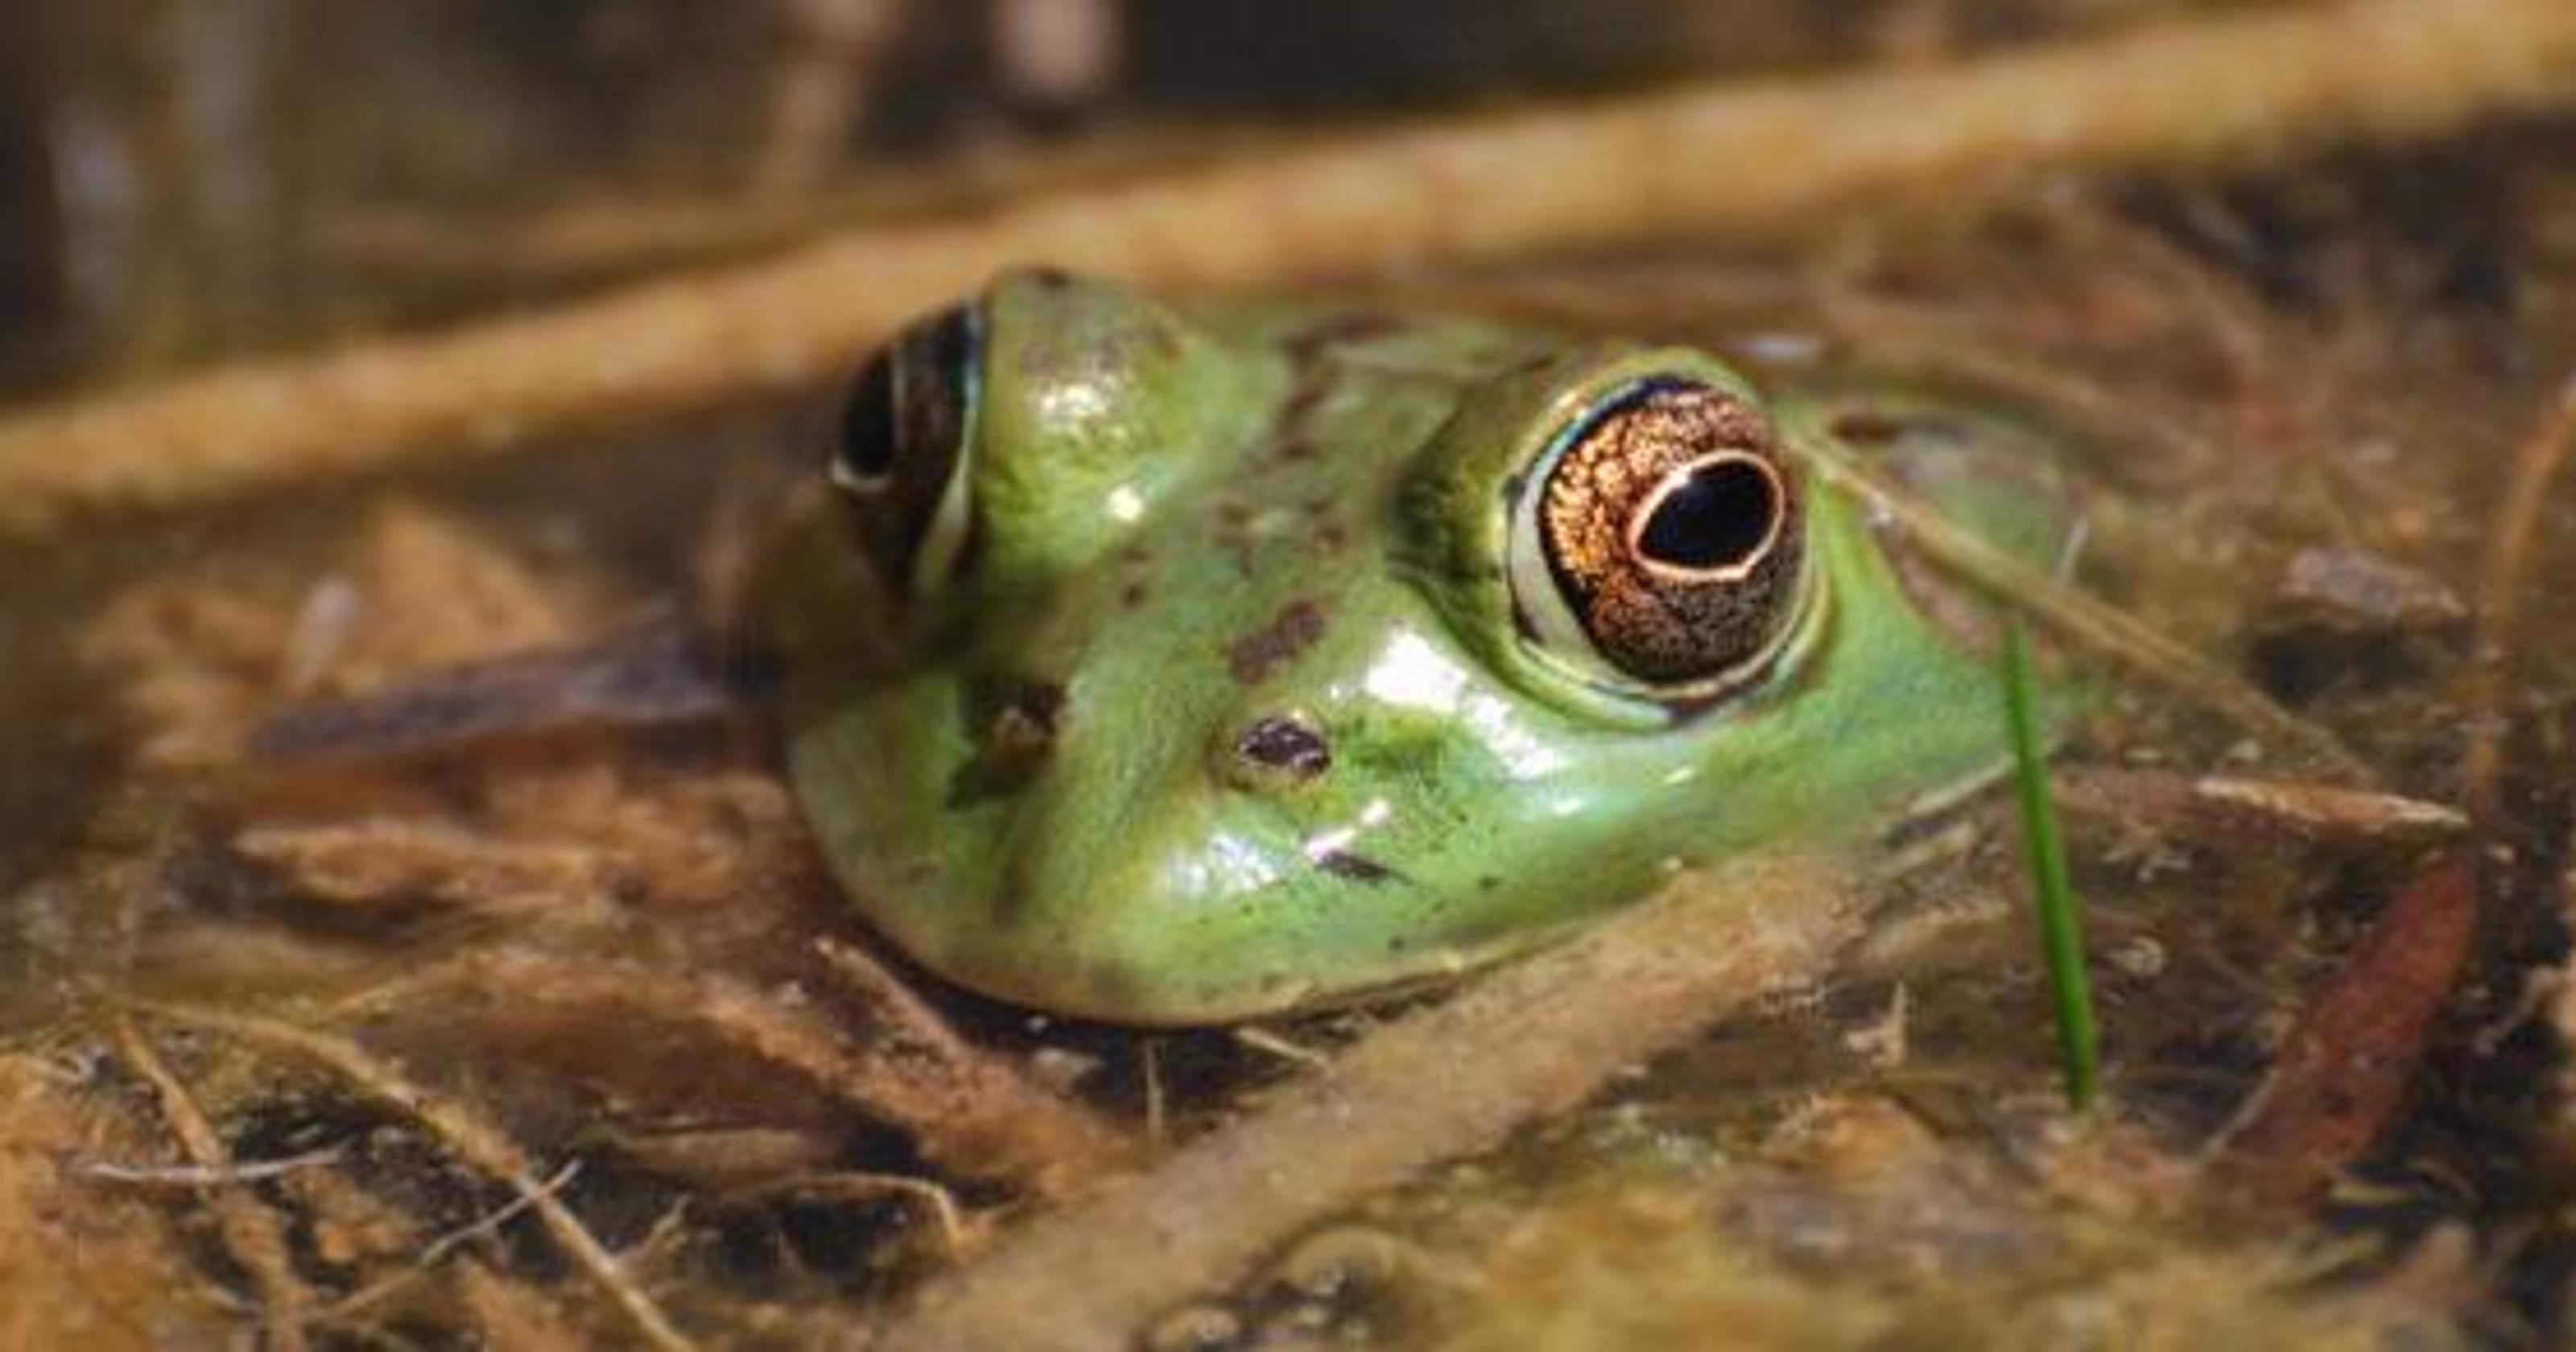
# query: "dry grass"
[[89, 1264], [1550, 1032], [2191, 91], [605, 961]]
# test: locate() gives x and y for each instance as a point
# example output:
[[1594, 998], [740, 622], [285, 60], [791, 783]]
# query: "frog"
[[1172, 663]]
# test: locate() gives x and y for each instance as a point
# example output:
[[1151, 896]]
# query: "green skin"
[[1169, 525]]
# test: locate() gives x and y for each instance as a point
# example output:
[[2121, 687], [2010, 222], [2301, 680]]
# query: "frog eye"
[[1668, 526], [900, 447]]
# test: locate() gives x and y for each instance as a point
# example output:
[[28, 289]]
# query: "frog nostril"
[[1012, 741], [1029, 715], [1283, 746]]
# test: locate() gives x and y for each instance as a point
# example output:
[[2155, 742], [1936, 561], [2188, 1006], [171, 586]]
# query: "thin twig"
[[2234, 805], [1903, 339], [211, 1176], [1693, 162], [2537, 463], [1268, 1043], [1547, 1031], [437, 1250], [1150, 1066], [2098, 628], [463, 1130], [972, 1110], [502, 1215], [250, 1230], [863, 1185]]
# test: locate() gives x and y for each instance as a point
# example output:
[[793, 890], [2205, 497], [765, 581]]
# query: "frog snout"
[[1121, 878], [1015, 737]]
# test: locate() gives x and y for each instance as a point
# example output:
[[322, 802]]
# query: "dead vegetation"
[[632, 937], [570, 1043]]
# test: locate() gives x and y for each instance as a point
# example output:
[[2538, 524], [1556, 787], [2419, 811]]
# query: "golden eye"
[[1671, 527], [901, 442]]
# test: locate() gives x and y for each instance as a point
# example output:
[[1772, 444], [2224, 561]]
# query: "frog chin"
[[1206, 931], [1152, 891], [1082, 913]]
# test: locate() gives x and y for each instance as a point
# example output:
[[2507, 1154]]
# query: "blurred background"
[[182, 179]]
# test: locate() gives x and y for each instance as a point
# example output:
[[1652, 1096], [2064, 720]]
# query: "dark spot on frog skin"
[[1254, 657], [1301, 404], [1233, 534], [1314, 383], [1324, 526], [1359, 868], [1357, 326], [1015, 738], [1865, 428], [1286, 745]]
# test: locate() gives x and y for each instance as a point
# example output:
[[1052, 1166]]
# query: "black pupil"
[[1716, 518], [866, 445], [909, 399]]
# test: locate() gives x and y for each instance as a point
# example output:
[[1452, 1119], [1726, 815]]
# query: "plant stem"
[[2061, 916]]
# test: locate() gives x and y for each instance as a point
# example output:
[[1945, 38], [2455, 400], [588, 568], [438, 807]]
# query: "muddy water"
[[2302, 390]]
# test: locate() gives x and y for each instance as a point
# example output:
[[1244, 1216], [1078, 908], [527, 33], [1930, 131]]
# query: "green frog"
[[1182, 664]]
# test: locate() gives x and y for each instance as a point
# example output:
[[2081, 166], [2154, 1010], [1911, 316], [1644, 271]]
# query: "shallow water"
[[2301, 387]]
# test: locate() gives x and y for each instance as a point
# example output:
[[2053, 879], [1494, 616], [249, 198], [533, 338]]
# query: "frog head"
[[1170, 666]]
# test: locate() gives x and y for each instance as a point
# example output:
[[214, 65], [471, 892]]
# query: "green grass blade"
[[2061, 918]]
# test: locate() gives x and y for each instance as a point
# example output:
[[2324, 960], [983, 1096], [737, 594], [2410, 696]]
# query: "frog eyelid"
[[864, 430], [858, 484], [924, 386]]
